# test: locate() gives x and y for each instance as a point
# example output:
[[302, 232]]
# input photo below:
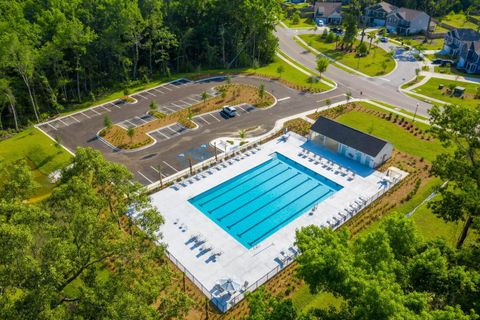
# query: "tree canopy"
[[88, 252]]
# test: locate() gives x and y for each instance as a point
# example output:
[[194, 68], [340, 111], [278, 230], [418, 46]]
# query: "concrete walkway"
[[450, 77]]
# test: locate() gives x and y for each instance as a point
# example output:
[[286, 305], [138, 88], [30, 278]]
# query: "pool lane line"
[[250, 189], [264, 170], [289, 217], [266, 204]]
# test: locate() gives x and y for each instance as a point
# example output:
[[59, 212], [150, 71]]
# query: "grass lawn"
[[370, 65], [399, 137], [412, 82], [458, 21], [303, 23], [306, 69], [290, 74], [399, 109], [430, 89], [418, 42], [40, 152], [454, 71], [304, 300]]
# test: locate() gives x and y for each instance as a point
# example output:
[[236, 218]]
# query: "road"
[[175, 144]]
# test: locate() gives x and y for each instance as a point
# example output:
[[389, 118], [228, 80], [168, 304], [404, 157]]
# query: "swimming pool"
[[257, 203]]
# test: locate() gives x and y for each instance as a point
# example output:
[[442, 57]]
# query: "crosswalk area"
[[168, 132]]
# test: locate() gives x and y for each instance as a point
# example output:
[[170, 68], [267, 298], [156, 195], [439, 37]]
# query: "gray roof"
[[408, 14], [465, 34], [349, 136], [385, 6], [328, 7]]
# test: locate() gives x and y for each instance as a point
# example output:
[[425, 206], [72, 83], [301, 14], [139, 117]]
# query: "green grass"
[[458, 20], [399, 137], [415, 41], [430, 89], [370, 65], [407, 112], [454, 71], [304, 300], [306, 69], [304, 23], [41, 154], [412, 82], [290, 74]]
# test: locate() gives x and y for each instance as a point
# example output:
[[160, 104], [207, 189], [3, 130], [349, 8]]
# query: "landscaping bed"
[[412, 82], [234, 94], [377, 62]]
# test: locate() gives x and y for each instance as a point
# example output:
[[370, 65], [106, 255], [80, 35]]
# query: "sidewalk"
[[453, 77]]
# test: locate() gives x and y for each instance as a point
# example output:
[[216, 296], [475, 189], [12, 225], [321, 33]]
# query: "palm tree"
[[242, 134], [205, 96], [280, 70], [107, 122], [261, 91], [131, 133], [189, 114], [349, 96], [371, 36], [153, 106]]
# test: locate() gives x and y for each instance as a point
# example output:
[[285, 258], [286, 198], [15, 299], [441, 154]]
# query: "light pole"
[[159, 169], [215, 147], [415, 114], [190, 164]]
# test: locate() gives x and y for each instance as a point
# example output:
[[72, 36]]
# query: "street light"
[[215, 147], [159, 169], [415, 114]]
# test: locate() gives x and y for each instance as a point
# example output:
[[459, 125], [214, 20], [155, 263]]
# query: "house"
[[351, 143], [328, 12], [376, 15], [458, 40], [469, 57], [404, 21]]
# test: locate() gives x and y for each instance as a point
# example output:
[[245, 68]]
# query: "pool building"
[[233, 225]]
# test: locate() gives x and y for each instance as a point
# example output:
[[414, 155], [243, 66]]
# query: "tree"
[[242, 134], [17, 183], [280, 70], [189, 113], [261, 91], [362, 50], [107, 122], [351, 30], [263, 306], [386, 273], [328, 102], [205, 96], [322, 64], [296, 17], [348, 95], [371, 36], [7, 92], [153, 106], [312, 80], [84, 234], [457, 127], [131, 133]]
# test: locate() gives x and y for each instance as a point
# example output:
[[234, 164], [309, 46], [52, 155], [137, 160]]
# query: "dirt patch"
[[231, 94]]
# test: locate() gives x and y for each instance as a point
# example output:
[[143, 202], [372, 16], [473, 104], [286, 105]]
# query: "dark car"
[[437, 61], [336, 30], [229, 111], [384, 39]]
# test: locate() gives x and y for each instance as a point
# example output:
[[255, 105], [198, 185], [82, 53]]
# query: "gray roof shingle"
[[349, 136]]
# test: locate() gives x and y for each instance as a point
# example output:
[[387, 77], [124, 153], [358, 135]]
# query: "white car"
[[229, 111]]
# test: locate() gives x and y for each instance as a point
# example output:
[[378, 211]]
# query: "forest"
[[56, 54]]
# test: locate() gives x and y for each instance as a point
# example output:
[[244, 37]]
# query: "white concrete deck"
[[183, 220]]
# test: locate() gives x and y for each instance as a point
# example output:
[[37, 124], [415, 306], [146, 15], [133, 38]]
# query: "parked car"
[[336, 30], [320, 23], [384, 39], [229, 111], [437, 61]]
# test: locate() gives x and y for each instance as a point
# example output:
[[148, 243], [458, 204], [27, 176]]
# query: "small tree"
[[131, 133], [371, 36], [312, 80], [322, 65], [228, 79], [328, 102], [384, 66], [205, 96], [330, 37], [107, 122], [153, 106], [261, 91], [242, 134], [349, 96], [362, 49], [296, 17], [189, 113], [324, 33], [126, 92], [280, 70]]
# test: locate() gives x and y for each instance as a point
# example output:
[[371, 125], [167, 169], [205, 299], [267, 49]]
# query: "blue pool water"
[[257, 203]]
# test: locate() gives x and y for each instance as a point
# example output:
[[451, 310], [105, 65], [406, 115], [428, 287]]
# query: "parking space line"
[[113, 104], [101, 106], [150, 93], [93, 109], [188, 104], [174, 85], [240, 107], [51, 125], [138, 94], [165, 87], [155, 89], [74, 118], [156, 170], [170, 166], [144, 121], [176, 105], [204, 119], [214, 117], [85, 115], [173, 130], [66, 124], [144, 176], [168, 109], [163, 134], [193, 99], [133, 124]]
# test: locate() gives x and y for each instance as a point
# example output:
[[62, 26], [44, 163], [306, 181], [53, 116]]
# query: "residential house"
[[376, 15], [404, 21], [328, 12], [351, 143], [469, 57], [458, 40]]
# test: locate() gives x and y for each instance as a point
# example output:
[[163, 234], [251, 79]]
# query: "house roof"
[[387, 7], [328, 8], [408, 14], [465, 34], [349, 136]]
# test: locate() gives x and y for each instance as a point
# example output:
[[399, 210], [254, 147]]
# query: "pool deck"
[[183, 220]]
